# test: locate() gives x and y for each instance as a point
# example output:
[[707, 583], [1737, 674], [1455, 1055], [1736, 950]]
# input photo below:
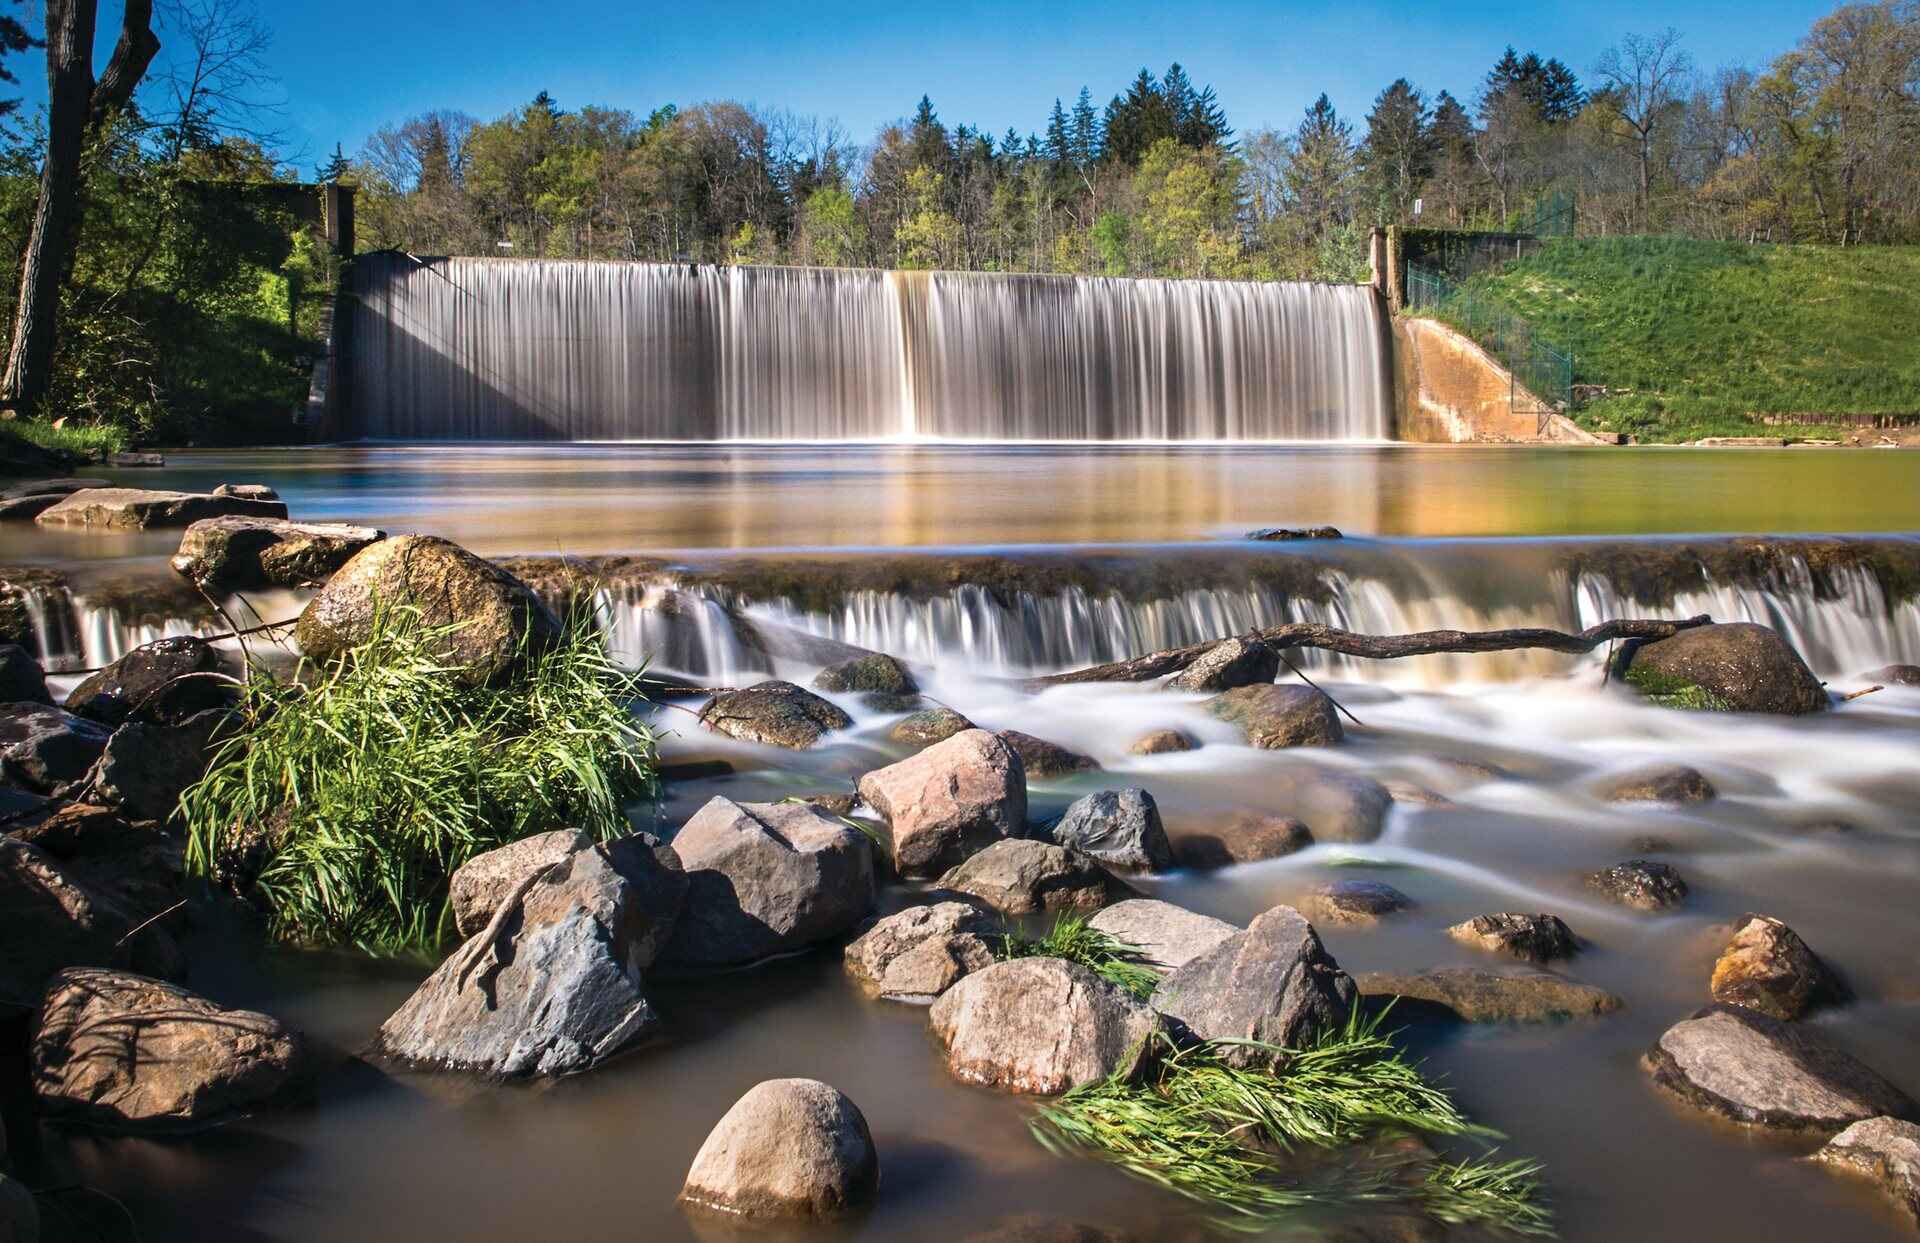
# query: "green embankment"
[[1696, 338]]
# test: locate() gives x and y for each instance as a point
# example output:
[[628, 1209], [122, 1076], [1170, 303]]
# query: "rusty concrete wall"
[[1450, 391]]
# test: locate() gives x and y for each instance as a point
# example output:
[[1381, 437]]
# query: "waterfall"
[[504, 349]]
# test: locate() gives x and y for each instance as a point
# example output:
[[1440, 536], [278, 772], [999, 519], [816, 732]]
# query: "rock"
[[1894, 675], [1043, 760], [776, 713], [1767, 967], [1294, 533], [1642, 884], [124, 460], [22, 680], [163, 683], [1274, 983], [1040, 1026], [551, 986], [1355, 903], [51, 487], [126, 1052], [653, 870], [1020, 877], [1733, 666], [1415, 794], [1493, 996], [1761, 1072], [788, 1148], [928, 726], [133, 870], [135, 509], [1885, 1150], [1337, 806], [1227, 665], [146, 767], [19, 1212], [1120, 828], [1660, 783], [27, 508], [949, 801], [1245, 837], [877, 672], [247, 491], [1273, 717], [833, 804], [45, 750], [1532, 938], [1037, 1228], [889, 702], [766, 879], [1161, 742], [239, 554], [1166, 935], [921, 952], [499, 620], [49, 919]]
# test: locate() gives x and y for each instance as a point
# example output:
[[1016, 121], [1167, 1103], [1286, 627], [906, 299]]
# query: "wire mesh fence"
[[1542, 368]]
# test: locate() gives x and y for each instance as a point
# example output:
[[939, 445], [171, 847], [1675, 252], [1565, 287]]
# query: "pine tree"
[[1320, 176], [1059, 139], [1398, 152], [1137, 120], [1085, 133], [927, 137], [1207, 123], [1178, 91], [334, 167]]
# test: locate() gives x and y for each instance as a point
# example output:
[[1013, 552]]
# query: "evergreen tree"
[[1320, 177], [334, 167], [1136, 121], [1397, 154], [1085, 134], [927, 138], [1548, 87], [1059, 138], [1206, 123], [1178, 91]]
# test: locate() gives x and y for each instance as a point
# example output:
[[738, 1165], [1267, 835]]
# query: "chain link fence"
[[1542, 368]]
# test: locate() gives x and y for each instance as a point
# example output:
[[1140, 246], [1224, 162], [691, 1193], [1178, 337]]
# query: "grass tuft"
[[1110, 958], [1669, 691], [1505, 1195]]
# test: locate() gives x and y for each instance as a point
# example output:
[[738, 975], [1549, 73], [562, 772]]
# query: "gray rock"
[[134, 509], [1337, 806], [1166, 935], [788, 1148], [1493, 996], [1894, 675], [241, 554], [876, 672], [949, 801], [766, 879], [1227, 665], [1531, 938], [51, 487], [1767, 967], [1244, 837], [146, 767], [551, 986], [50, 918], [22, 680], [776, 713], [921, 952], [126, 1052], [653, 870], [1020, 877], [163, 683], [1274, 983], [1161, 742], [46, 750], [27, 508], [1040, 1026], [247, 491], [1043, 760], [1761, 1072], [1288, 534], [1355, 903], [1274, 717], [1660, 783], [1120, 828], [928, 726], [1885, 1150], [1733, 666], [1642, 884]]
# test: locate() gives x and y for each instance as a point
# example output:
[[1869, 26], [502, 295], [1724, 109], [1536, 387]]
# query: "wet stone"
[[928, 726], [1642, 884], [1533, 938], [1768, 968], [1675, 783], [1161, 742], [1480, 996], [1043, 760], [775, 713]]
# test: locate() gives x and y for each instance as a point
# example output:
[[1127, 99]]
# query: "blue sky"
[[349, 66]]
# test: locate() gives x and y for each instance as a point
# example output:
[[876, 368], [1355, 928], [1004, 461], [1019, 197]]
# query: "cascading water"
[[492, 349]]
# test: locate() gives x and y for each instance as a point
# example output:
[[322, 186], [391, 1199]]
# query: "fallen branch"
[[1850, 696], [1383, 647]]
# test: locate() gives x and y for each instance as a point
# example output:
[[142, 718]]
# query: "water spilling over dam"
[[491, 349]]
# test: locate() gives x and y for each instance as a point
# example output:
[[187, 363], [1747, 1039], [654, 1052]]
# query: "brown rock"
[[875, 672], [1885, 1150], [241, 553], [921, 952], [1739, 666], [1274, 717], [1767, 967], [49, 919], [1354, 903], [1493, 996], [1020, 877], [133, 509], [928, 726], [1244, 837], [949, 801], [788, 1148], [1229, 664], [776, 713], [1273, 983], [1660, 783], [1161, 742], [1643, 884], [1043, 760], [1533, 938], [1040, 1026]]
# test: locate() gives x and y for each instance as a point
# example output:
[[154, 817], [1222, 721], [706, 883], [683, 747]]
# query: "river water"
[[982, 563]]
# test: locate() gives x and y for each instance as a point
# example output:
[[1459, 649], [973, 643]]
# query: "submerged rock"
[[1894, 675], [127, 1052], [921, 952], [134, 509], [1120, 828], [1274, 983], [242, 553], [928, 726], [1244, 837], [163, 682], [1760, 1072], [876, 672], [22, 680], [1167, 936], [1043, 760], [788, 1148], [1493, 996], [1643, 884], [1227, 665], [46, 750], [1040, 1026], [1660, 783], [1355, 903], [1732, 667], [776, 713], [1532, 938], [1337, 806], [1768, 968], [1036, 1228], [1020, 877], [766, 879], [1885, 1150], [1273, 717], [947, 802], [1161, 742]]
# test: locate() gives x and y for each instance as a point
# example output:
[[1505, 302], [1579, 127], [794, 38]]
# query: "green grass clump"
[[1669, 691], [1209, 1131], [80, 441], [1110, 958], [344, 803]]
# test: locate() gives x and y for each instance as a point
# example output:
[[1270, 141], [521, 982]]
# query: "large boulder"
[[1767, 967], [1732, 667], [126, 1052], [49, 919], [136, 509], [133, 869], [949, 801], [1885, 1150], [921, 952], [875, 672], [1493, 996], [788, 1148], [22, 680], [1242, 837], [1166, 936], [46, 750], [1273, 717], [653, 870], [776, 713], [1531, 938], [551, 985], [1120, 828], [1641, 884], [1660, 783], [1020, 877], [1045, 760], [1273, 983], [496, 619], [243, 554], [766, 879], [928, 726], [1760, 1072], [1041, 1026], [1228, 665], [147, 766], [163, 682]]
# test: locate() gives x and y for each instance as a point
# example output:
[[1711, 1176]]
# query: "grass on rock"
[[1110, 958], [1669, 691], [350, 795], [79, 441]]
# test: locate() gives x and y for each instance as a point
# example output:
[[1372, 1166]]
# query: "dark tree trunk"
[[75, 105]]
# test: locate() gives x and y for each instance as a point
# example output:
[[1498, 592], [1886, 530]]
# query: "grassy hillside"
[[1695, 337]]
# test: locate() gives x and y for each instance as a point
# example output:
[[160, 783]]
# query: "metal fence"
[[1543, 368]]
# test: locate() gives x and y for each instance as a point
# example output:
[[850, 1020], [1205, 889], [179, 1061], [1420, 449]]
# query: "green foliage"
[[1505, 1195], [348, 801], [77, 440], [1669, 691], [1108, 957]]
